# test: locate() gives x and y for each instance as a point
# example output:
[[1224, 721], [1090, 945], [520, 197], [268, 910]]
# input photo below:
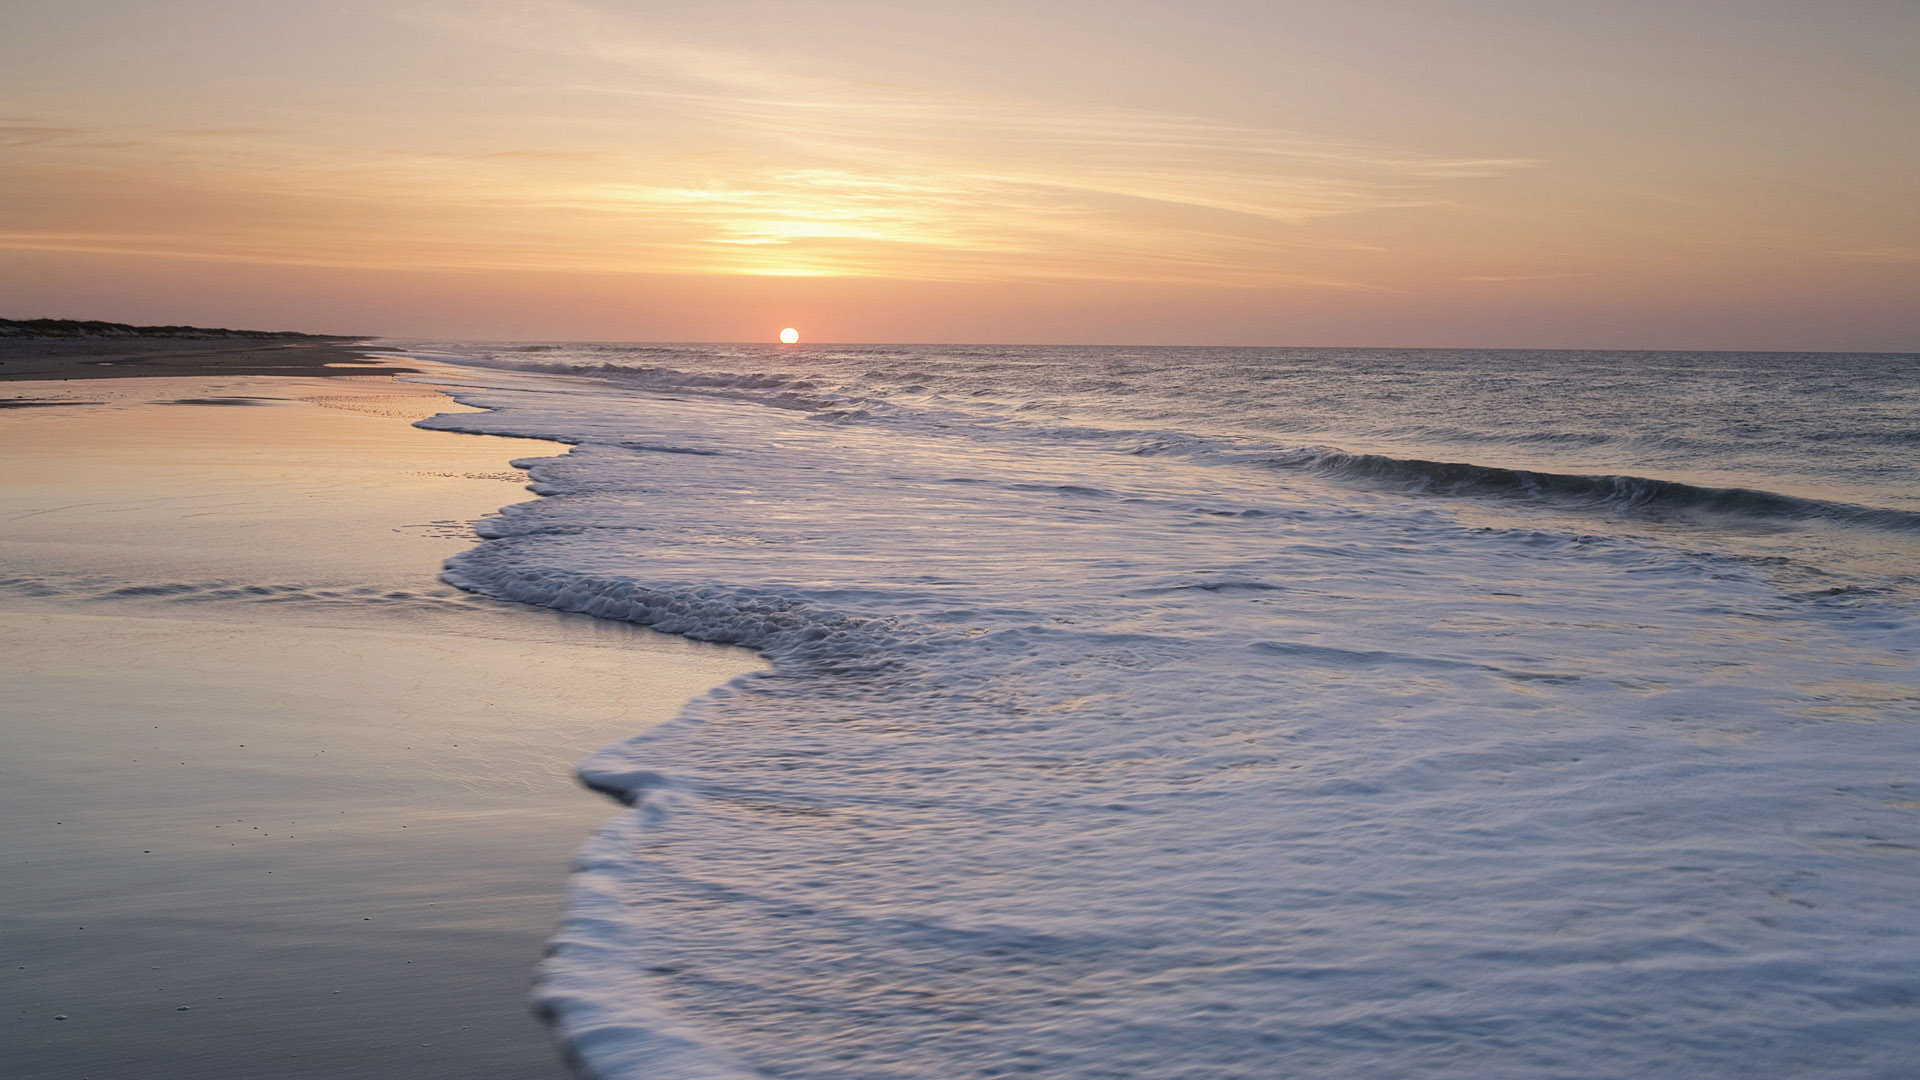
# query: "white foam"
[[1096, 764]]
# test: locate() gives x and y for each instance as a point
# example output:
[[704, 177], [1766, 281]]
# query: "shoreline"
[[26, 359], [313, 808]]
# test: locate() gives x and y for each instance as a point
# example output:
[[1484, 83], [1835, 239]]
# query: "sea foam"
[[1087, 762]]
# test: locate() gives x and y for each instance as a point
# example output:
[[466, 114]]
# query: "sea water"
[[1207, 713]]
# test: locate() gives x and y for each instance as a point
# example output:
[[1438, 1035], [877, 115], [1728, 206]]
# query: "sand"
[[113, 358], [274, 801]]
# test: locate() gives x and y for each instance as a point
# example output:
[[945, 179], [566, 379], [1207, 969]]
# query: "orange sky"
[[1362, 172]]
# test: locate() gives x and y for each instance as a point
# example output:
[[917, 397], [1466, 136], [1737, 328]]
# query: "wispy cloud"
[[1886, 254], [663, 156], [830, 168], [1513, 277], [16, 132]]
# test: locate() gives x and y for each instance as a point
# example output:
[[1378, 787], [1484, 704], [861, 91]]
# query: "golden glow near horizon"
[[789, 336], [1313, 171]]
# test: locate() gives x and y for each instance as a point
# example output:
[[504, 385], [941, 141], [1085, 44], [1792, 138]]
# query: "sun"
[[789, 336]]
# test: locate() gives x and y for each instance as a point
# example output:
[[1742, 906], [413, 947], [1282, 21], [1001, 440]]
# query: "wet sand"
[[67, 359], [273, 801]]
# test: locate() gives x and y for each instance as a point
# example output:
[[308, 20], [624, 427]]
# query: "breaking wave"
[[1569, 490], [1101, 745]]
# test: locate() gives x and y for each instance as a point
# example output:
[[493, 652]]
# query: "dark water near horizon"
[[1239, 712]]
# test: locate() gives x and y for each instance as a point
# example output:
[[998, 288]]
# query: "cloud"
[[1054, 190], [1885, 254], [590, 144], [26, 133]]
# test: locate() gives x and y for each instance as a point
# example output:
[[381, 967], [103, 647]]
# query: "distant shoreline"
[[75, 350], [96, 328]]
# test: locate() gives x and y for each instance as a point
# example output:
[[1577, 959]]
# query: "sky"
[[1493, 173]]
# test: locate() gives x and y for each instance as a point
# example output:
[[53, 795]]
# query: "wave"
[[778, 625], [1575, 490], [1615, 493], [765, 387], [91, 589], [1075, 762]]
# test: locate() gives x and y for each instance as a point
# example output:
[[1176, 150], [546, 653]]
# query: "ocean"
[[1202, 713]]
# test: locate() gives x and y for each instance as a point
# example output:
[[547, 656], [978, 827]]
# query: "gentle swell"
[[1081, 764], [1631, 493], [1637, 494]]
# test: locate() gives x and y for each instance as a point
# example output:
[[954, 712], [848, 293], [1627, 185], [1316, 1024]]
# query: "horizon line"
[[1123, 345]]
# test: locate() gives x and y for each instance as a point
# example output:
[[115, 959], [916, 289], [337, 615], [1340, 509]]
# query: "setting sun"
[[1230, 532]]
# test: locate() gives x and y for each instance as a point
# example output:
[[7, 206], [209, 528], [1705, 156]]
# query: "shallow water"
[[274, 802], [1217, 713]]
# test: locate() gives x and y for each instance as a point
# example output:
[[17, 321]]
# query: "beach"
[[1118, 712], [276, 801], [738, 541], [39, 359]]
